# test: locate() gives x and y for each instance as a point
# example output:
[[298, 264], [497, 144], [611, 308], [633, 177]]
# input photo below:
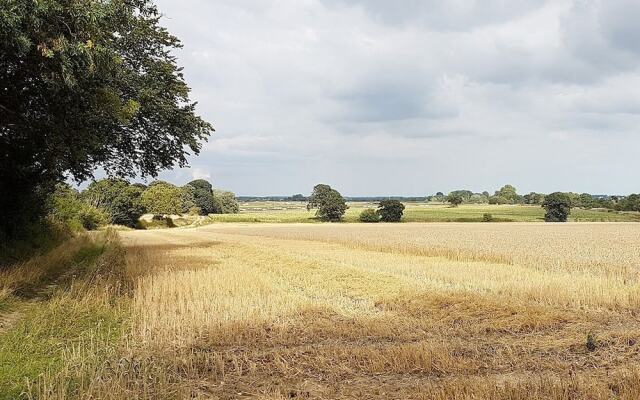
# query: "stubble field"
[[404, 311]]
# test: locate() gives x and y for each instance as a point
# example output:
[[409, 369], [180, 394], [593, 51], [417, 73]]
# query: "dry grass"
[[405, 311]]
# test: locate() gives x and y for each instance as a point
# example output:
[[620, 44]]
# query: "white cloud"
[[415, 96]]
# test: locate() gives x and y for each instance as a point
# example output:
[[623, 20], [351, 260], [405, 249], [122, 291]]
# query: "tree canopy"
[[330, 204], [84, 85], [390, 210], [558, 206]]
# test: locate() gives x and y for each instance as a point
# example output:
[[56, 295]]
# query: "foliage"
[[121, 201], [558, 206], [329, 202], [498, 200], [533, 198], [487, 217], [67, 207], [455, 199], [86, 84], [509, 193], [225, 202], [163, 199], [630, 203], [203, 196], [390, 210], [369, 215]]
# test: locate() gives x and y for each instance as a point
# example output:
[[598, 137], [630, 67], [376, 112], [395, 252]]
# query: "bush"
[[486, 217], [390, 210], [91, 217], [558, 206], [369, 215]]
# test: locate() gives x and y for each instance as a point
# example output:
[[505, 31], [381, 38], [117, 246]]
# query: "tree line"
[[508, 195], [331, 205], [116, 201]]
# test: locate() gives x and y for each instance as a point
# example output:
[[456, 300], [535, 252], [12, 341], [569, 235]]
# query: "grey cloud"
[[374, 96]]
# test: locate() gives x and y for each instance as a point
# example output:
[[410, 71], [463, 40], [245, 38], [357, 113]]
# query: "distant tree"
[[464, 194], [329, 203], [82, 85], [118, 198], [203, 197], [297, 197], [455, 199], [390, 210], [630, 203], [585, 200], [558, 206], [225, 202], [533, 198], [369, 215], [163, 199], [498, 200], [508, 192]]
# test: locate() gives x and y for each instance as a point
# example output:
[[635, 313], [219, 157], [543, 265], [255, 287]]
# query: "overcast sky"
[[412, 97]]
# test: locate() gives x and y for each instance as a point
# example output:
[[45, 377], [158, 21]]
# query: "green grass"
[[48, 326], [295, 212]]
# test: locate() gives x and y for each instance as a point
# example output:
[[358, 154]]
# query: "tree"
[[225, 202], [163, 199], [533, 198], [465, 194], [630, 203], [558, 206], [508, 192], [329, 203], [118, 198], [203, 196], [84, 85], [369, 215], [390, 210], [454, 199], [498, 200], [67, 207]]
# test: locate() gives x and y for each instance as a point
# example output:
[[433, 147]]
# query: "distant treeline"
[[302, 198], [505, 195]]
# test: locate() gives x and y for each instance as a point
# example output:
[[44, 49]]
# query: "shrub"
[[486, 217], [390, 210], [91, 217], [369, 215], [558, 206]]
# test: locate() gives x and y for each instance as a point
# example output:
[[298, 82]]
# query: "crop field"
[[320, 311], [282, 211]]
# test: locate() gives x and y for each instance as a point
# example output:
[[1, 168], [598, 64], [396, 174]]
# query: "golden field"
[[356, 311]]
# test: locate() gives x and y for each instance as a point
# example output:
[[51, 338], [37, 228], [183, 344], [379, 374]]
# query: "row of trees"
[[116, 201], [508, 195]]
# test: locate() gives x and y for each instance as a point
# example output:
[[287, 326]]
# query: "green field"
[[275, 211]]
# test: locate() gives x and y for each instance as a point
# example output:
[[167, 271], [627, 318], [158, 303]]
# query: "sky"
[[412, 97]]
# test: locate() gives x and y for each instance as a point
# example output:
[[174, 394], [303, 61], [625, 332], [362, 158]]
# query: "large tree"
[[390, 210], [558, 206], [329, 203], [87, 84]]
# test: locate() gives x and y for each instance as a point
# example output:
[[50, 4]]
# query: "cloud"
[[413, 96]]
